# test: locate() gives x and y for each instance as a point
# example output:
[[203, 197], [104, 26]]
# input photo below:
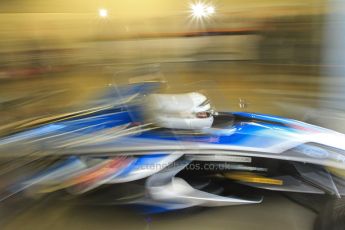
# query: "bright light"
[[210, 10], [103, 13], [198, 10], [201, 10]]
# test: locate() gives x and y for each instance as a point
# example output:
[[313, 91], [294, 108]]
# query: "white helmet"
[[180, 111]]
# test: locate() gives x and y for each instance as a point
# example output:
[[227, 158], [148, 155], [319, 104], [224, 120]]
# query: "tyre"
[[332, 216]]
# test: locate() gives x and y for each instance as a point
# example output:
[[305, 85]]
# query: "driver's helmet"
[[180, 111]]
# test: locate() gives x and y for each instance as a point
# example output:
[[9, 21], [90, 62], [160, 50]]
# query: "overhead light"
[[198, 10], [201, 10], [103, 13], [210, 10]]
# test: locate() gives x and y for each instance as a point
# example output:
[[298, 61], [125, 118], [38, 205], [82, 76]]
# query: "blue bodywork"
[[117, 127], [247, 130]]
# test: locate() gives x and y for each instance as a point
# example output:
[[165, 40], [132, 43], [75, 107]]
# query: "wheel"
[[332, 216]]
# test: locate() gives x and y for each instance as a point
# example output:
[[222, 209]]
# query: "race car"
[[163, 152]]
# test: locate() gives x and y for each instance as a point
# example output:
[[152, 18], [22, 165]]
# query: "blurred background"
[[283, 57]]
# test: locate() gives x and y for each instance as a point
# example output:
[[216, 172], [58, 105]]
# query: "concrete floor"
[[276, 212]]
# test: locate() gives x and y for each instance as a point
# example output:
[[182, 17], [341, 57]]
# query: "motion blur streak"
[[78, 127]]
